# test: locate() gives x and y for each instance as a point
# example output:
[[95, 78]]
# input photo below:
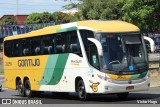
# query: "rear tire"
[[83, 96], [20, 89], [123, 95], [29, 93]]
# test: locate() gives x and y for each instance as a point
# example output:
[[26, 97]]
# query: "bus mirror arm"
[[98, 45], [151, 43]]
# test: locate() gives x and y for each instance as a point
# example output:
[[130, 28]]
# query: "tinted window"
[[93, 55], [48, 45], [26, 50], [74, 45], [44, 45], [36, 46], [8, 48], [61, 43], [85, 34], [16, 48]]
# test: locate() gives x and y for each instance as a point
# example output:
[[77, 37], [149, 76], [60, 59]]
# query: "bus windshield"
[[122, 52]]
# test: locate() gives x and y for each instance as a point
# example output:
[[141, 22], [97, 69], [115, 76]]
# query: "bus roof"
[[94, 25]]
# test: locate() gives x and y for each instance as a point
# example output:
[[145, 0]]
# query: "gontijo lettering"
[[28, 62]]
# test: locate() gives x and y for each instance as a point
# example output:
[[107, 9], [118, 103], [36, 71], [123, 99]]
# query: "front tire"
[[20, 89], [83, 96], [29, 93]]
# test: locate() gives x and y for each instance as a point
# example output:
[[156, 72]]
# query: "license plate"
[[129, 87]]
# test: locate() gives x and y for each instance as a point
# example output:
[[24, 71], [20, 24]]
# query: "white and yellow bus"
[[86, 57]]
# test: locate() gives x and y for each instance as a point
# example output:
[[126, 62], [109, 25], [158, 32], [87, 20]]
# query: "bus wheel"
[[123, 95], [20, 89], [28, 91], [81, 91]]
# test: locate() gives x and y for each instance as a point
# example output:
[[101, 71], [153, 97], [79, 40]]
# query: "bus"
[[85, 57]]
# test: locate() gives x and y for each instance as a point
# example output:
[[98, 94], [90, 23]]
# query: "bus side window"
[[85, 34], [93, 55], [25, 45], [74, 45], [48, 45], [16, 48], [36, 46], [8, 48], [61, 43]]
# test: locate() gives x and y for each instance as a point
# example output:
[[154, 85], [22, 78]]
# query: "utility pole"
[[17, 10]]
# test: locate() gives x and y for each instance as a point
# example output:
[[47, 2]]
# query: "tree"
[[72, 4], [143, 13], [7, 21], [77, 17], [61, 17], [100, 9], [46, 17], [34, 18]]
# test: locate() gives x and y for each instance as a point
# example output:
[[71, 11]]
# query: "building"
[[70, 12], [20, 19]]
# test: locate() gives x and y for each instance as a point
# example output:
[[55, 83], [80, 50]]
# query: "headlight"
[[147, 76], [104, 78]]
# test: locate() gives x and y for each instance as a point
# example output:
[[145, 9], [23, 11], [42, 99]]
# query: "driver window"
[[93, 55]]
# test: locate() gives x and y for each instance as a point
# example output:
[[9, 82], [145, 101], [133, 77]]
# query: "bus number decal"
[[28, 62], [94, 87]]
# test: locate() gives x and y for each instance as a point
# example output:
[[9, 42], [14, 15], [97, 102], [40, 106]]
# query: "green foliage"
[[34, 18], [100, 9], [7, 21], [46, 17], [72, 5], [143, 13], [77, 17]]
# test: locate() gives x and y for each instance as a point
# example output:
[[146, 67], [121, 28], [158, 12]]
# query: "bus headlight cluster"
[[146, 77], [104, 78]]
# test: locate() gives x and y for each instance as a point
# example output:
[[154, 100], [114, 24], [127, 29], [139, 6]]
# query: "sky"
[[30, 6]]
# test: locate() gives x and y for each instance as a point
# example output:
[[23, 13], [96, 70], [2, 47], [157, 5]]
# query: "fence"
[[9, 30]]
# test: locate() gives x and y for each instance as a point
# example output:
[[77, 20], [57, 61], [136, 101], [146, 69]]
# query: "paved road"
[[153, 95]]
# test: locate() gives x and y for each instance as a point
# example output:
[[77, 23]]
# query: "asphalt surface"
[[151, 96]]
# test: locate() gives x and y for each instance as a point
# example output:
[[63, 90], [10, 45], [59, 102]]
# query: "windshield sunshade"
[[132, 39]]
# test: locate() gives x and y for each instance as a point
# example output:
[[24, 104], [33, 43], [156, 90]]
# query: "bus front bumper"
[[120, 88]]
